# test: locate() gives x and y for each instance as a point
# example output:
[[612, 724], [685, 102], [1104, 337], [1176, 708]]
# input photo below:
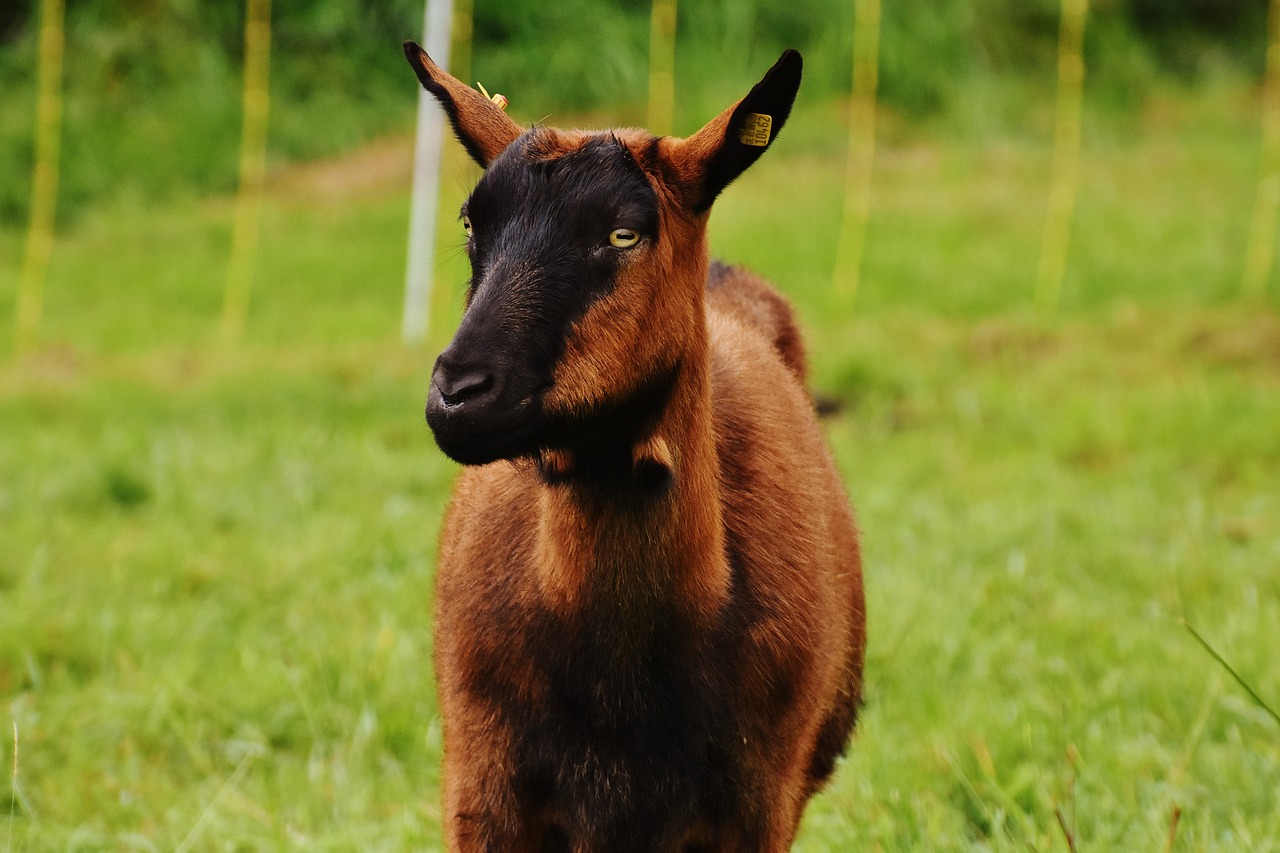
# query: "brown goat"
[[649, 610]]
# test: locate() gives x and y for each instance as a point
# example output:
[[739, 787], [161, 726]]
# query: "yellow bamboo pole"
[[44, 178], [463, 28], [862, 144], [662, 62], [1066, 155], [253, 169], [1262, 230]]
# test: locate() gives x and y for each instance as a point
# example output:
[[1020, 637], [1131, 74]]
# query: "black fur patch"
[[540, 251], [540, 257], [602, 436], [635, 740]]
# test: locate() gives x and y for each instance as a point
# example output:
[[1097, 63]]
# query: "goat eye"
[[466, 225], [624, 238]]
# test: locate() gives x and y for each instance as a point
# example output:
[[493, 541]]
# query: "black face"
[[547, 238]]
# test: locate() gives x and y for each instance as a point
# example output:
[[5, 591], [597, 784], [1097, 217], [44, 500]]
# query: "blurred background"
[[1045, 298], [152, 87]]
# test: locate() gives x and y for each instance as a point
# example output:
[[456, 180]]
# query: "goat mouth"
[[478, 435]]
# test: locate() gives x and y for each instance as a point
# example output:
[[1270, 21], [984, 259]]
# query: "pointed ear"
[[480, 124], [712, 158]]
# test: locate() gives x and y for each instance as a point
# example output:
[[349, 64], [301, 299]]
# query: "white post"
[[426, 179]]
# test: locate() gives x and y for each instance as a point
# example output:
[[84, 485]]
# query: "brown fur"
[[750, 298], [554, 589], [484, 129]]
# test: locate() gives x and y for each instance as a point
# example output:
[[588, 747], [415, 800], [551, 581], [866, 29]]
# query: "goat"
[[649, 624]]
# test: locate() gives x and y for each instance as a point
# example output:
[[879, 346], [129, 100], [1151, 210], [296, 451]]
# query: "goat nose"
[[456, 386]]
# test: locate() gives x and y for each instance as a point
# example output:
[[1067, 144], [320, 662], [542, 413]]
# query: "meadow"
[[216, 561]]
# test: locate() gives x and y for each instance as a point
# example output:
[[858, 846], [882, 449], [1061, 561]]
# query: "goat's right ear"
[[480, 124]]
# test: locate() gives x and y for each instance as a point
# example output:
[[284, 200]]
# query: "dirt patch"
[[379, 165], [1001, 338], [1248, 342]]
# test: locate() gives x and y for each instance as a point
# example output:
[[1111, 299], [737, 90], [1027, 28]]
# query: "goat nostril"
[[455, 390]]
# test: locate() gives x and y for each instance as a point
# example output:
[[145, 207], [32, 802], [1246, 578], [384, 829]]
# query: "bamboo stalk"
[[253, 169], [1066, 155], [462, 34], [862, 143], [44, 177], [662, 61], [1260, 253]]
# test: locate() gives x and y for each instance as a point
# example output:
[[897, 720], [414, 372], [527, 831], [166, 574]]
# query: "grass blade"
[[1222, 661]]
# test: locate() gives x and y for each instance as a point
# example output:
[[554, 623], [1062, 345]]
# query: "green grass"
[[216, 565]]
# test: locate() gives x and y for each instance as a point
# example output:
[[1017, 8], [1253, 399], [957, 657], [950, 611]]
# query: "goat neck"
[[639, 523]]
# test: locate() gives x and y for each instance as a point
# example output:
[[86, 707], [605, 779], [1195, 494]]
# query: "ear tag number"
[[755, 130]]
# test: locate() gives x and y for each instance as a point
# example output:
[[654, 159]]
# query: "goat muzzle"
[[477, 413]]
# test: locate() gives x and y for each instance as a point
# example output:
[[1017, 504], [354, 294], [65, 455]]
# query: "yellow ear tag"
[[755, 130], [500, 100]]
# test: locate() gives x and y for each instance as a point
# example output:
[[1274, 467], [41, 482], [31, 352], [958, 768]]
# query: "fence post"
[[44, 177], [428, 147], [253, 169], [1260, 253], [1066, 156], [862, 144]]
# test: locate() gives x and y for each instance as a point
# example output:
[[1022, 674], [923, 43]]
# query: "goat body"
[[649, 608]]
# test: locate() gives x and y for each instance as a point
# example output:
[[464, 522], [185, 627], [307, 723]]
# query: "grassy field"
[[216, 563]]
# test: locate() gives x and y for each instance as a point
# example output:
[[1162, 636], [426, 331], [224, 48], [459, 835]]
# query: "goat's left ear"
[[480, 125], [712, 158]]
